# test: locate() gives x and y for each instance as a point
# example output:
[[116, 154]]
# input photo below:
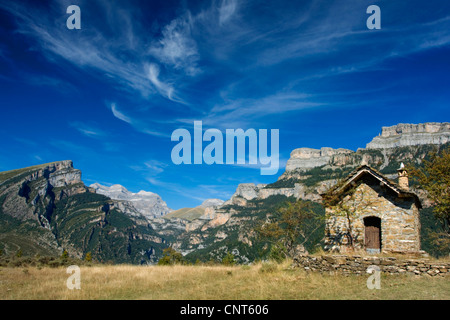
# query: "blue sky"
[[110, 95]]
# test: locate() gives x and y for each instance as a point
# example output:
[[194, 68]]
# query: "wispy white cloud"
[[164, 88], [224, 42], [155, 165], [37, 157], [207, 191], [173, 187], [88, 130], [119, 115], [123, 60], [152, 128], [105, 139], [154, 133], [226, 10], [242, 112], [176, 47], [236, 112], [150, 168]]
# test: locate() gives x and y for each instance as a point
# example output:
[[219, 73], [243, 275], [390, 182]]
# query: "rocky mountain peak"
[[147, 203], [212, 203], [146, 193]]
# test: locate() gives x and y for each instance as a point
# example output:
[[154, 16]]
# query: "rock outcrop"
[[204, 211], [211, 203], [39, 186], [250, 191], [59, 174]]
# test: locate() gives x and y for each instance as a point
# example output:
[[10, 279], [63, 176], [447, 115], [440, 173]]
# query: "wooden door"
[[372, 233]]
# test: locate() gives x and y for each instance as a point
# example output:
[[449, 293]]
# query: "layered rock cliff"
[[30, 193], [403, 135], [307, 158], [27, 200], [377, 152]]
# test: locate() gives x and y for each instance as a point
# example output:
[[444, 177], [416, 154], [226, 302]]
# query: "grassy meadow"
[[263, 281]]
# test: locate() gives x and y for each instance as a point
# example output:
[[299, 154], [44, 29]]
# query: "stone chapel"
[[373, 213]]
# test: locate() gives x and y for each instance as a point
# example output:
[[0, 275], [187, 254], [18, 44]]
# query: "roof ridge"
[[356, 173]]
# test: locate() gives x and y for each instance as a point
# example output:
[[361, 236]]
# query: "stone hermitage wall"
[[355, 264]]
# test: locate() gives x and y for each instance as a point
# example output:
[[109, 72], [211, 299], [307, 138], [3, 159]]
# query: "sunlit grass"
[[257, 282]]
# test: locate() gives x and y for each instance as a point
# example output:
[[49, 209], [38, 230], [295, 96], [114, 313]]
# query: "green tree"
[[229, 260], [65, 256], [88, 257], [19, 253], [434, 178], [278, 252], [171, 257]]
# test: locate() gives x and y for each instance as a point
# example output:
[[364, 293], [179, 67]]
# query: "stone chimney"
[[403, 177]]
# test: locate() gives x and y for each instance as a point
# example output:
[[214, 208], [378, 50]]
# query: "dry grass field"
[[256, 282]]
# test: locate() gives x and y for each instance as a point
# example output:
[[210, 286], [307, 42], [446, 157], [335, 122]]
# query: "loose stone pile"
[[354, 264]]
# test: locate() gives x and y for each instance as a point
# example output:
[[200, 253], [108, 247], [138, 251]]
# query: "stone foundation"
[[354, 264]]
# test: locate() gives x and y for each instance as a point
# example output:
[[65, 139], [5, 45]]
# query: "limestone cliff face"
[[250, 191], [211, 203], [403, 135], [38, 186], [306, 158], [61, 174], [29, 195], [247, 191]]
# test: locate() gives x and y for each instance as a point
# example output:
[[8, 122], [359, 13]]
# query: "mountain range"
[[46, 209]]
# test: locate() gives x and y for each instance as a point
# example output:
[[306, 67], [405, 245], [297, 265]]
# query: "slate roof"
[[359, 172]]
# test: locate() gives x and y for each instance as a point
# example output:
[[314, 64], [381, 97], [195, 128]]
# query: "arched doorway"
[[372, 234]]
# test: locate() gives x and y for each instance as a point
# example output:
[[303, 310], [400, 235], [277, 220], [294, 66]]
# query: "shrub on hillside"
[[171, 257], [229, 260]]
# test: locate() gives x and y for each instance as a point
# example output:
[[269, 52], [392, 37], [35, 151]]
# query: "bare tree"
[[286, 227], [349, 204]]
